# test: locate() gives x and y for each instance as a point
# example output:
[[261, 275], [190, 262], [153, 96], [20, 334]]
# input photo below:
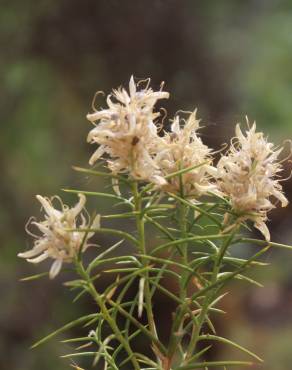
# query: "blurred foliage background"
[[229, 58]]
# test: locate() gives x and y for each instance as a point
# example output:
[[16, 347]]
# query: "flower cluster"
[[58, 241], [182, 149], [247, 176], [127, 133], [176, 162]]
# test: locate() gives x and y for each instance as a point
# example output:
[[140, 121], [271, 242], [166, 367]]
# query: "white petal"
[[193, 122], [132, 87], [116, 188], [49, 209], [239, 133], [141, 296], [55, 268], [33, 252], [175, 125], [159, 95], [158, 180], [40, 258], [96, 155], [262, 227], [44, 229], [95, 225], [96, 222], [92, 117], [284, 201], [79, 206]]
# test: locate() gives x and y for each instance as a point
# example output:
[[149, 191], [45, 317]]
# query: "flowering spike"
[[126, 131], [57, 242], [247, 176], [181, 149]]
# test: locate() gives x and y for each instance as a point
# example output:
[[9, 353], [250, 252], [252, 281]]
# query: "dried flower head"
[[182, 148], [56, 241], [126, 131], [248, 174]]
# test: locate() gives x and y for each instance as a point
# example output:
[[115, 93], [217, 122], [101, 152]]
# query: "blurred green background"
[[229, 58]]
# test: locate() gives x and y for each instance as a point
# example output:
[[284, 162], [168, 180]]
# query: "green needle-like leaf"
[[79, 354], [34, 277], [68, 326], [264, 242], [96, 194], [199, 354], [231, 343], [189, 239], [199, 365]]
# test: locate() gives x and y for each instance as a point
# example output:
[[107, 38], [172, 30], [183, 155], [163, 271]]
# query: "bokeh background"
[[229, 58]]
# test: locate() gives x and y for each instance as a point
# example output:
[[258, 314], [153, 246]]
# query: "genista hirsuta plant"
[[165, 180]]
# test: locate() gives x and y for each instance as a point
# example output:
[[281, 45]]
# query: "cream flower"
[[126, 132], [56, 241], [182, 149], [247, 175]]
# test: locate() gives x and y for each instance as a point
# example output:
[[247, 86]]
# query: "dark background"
[[228, 58]]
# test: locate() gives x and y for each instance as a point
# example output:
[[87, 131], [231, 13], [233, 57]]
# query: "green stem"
[[175, 339], [208, 298], [143, 329], [106, 315], [140, 223]]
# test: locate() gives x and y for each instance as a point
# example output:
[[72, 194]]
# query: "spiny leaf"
[[68, 326], [75, 283], [240, 261], [166, 261], [215, 363], [189, 239], [231, 343], [117, 259], [103, 254], [248, 279], [81, 339], [97, 194], [129, 338], [200, 353], [34, 277], [92, 172], [264, 242], [79, 354], [79, 295]]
